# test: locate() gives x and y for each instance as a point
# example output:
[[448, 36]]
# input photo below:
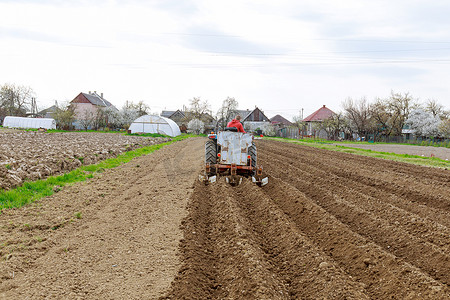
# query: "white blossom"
[[423, 123]]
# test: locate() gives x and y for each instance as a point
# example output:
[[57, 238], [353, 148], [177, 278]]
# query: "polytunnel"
[[19, 122], [155, 124]]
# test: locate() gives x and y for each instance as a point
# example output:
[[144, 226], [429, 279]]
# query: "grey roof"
[[243, 113], [48, 110], [96, 99], [167, 113]]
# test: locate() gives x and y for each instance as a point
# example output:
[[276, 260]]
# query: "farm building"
[[316, 118], [86, 107], [155, 124], [19, 122]]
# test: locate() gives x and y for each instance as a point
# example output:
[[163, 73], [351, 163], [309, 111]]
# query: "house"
[[256, 120], [175, 115], [48, 112], [86, 107], [315, 119], [280, 121], [182, 118], [284, 128]]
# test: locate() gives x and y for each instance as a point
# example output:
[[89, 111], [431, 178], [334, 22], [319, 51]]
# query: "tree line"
[[386, 117]]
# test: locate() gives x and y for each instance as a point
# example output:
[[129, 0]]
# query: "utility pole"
[[33, 107]]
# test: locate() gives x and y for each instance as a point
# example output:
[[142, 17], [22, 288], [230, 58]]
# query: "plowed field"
[[328, 225]]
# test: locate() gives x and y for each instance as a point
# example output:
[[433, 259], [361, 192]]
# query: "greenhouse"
[[155, 124], [19, 122]]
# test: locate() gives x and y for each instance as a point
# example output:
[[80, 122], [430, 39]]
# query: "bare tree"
[[334, 125], [227, 111], [140, 108], [15, 100], [383, 117], [437, 109], [64, 116], [400, 106], [198, 109], [297, 121], [358, 113], [444, 128], [86, 118]]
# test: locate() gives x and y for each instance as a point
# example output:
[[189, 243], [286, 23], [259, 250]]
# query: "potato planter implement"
[[232, 154]]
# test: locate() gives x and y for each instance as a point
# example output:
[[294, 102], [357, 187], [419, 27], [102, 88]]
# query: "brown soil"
[[125, 244], [328, 225]]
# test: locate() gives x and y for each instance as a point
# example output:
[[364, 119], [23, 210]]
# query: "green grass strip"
[[406, 158], [31, 191]]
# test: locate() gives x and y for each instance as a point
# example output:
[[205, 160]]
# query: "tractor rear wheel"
[[252, 153], [211, 152]]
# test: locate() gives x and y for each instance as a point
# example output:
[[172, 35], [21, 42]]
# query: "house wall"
[[178, 118], [82, 110], [257, 116]]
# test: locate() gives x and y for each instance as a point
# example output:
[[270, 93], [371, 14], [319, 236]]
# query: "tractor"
[[232, 154]]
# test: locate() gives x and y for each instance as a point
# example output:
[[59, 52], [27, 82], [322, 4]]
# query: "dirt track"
[[328, 225]]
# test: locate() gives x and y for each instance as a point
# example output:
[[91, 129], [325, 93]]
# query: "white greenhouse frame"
[[155, 124], [19, 122]]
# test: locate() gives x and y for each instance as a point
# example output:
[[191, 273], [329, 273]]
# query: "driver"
[[236, 123]]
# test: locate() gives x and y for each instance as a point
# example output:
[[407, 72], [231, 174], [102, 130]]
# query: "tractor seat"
[[234, 129]]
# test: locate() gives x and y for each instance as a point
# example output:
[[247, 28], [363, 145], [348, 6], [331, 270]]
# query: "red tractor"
[[232, 154]]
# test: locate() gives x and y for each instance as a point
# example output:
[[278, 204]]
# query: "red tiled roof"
[[319, 115]]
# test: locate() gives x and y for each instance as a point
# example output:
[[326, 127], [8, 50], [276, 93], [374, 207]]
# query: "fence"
[[288, 132], [414, 140]]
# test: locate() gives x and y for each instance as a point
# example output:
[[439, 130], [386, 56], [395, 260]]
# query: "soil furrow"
[[387, 179], [373, 201], [329, 173], [350, 211], [383, 274], [309, 273], [432, 175]]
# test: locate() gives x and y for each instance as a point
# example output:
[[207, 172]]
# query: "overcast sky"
[[281, 55]]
